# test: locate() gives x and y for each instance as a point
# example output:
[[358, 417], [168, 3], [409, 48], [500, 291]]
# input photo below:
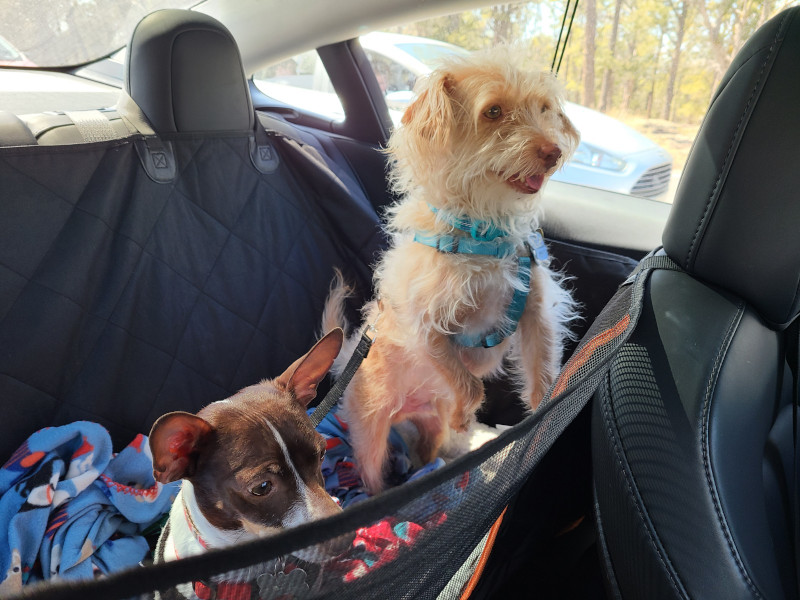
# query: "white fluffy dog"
[[465, 283]]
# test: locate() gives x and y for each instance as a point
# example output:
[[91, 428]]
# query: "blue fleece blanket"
[[340, 471], [71, 508]]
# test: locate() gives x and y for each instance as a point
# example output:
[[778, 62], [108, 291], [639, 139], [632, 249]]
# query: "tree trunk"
[[628, 92], [501, 23], [680, 11], [608, 76], [651, 95], [722, 51], [629, 85], [588, 53]]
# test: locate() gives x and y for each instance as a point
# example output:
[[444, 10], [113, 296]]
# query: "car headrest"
[[185, 72], [735, 222]]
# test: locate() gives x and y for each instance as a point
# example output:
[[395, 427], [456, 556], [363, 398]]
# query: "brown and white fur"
[[250, 464], [481, 138]]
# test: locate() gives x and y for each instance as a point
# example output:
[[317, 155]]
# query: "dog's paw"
[[458, 444], [464, 414], [462, 421]]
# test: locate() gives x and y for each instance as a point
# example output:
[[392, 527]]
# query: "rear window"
[[44, 33]]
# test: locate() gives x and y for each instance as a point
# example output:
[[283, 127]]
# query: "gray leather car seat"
[[185, 73], [692, 429]]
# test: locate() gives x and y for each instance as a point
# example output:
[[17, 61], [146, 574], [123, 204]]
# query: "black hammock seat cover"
[[120, 302], [122, 299]]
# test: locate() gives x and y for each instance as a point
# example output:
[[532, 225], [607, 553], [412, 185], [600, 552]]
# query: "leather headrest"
[[735, 222], [185, 72]]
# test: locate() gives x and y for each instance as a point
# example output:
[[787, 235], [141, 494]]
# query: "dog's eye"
[[493, 112], [262, 489], [545, 107]]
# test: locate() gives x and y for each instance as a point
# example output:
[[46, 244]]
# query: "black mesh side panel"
[[646, 460], [660, 447], [627, 531]]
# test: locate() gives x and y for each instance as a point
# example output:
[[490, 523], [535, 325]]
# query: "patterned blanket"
[[72, 509]]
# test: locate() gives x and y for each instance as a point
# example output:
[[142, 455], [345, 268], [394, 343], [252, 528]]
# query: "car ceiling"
[[293, 27]]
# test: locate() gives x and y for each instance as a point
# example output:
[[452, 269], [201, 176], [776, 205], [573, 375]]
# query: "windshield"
[[57, 33]]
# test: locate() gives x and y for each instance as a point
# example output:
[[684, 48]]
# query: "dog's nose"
[[549, 153]]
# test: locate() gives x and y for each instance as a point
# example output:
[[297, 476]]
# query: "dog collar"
[[224, 590], [192, 526], [459, 244], [477, 229], [485, 239]]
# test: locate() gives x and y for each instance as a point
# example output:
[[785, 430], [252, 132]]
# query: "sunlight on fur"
[[475, 147]]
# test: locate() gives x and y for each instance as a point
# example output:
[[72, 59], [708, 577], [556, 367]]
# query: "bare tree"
[[652, 92], [681, 10], [608, 76], [502, 22], [729, 26], [629, 86], [654, 45]]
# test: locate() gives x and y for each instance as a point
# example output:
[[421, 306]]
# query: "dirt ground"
[[675, 138]]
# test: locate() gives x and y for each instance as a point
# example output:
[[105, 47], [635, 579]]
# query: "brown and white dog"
[[469, 161], [250, 464]]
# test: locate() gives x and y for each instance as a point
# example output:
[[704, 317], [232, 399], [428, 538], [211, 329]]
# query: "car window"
[[637, 100], [301, 81], [44, 33]]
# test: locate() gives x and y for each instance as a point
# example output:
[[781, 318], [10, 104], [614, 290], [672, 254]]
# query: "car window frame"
[[366, 114]]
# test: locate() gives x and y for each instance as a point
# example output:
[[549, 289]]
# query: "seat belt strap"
[[93, 125]]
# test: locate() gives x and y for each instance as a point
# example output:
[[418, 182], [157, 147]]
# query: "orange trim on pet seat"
[[487, 550], [579, 359]]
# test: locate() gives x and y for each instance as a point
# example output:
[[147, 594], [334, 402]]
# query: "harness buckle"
[[371, 330], [537, 247]]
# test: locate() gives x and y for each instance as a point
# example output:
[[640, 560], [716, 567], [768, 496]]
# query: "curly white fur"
[[481, 138]]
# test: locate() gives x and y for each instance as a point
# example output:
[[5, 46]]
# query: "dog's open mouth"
[[527, 185]]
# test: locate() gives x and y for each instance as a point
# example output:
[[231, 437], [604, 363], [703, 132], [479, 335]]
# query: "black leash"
[[335, 393]]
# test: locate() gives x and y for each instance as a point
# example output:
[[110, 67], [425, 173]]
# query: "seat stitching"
[[734, 138], [711, 385]]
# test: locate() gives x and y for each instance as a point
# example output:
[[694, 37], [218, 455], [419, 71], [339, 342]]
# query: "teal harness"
[[486, 239]]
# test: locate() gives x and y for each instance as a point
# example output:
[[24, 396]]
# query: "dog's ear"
[[175, 440], [430, 115], [304, 374]]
